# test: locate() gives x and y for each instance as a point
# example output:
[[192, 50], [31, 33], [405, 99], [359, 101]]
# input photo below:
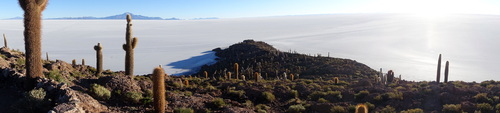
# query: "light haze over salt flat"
[[407, 44]]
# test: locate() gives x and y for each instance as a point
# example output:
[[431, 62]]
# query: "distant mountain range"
[[116, 17]]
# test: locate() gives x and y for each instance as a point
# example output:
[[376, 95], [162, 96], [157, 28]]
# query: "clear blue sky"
[[187, 9]]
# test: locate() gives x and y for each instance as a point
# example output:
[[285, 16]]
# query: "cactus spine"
[[129, 48], [33, 38], [361, 108], [438, 69], [98, 50], [159, 90], [236, 68], [5, 41], [446, 67]]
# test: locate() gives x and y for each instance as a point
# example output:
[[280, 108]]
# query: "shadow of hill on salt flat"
[[193, 64]]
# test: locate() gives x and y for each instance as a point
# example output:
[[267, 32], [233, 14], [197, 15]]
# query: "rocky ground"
[[74, 87]]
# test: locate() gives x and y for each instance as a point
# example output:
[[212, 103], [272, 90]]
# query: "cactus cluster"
[[33, 39], [159, 90], [446, 69], [129, 48]]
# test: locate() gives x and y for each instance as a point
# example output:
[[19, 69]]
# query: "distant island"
[[117, 17]]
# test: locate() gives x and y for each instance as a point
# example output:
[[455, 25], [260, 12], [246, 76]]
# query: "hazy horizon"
[[407, 44]]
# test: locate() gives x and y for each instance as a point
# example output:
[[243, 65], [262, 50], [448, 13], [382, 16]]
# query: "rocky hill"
[[256, 56]]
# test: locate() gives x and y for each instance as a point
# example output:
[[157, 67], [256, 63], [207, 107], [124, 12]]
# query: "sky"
[[186, 9]]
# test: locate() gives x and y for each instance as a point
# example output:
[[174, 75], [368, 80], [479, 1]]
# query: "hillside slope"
[[257, 56]]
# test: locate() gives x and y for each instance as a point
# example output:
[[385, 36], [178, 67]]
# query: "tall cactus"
[[129, 48], [47, 56], [83, 62], [229, 75], [446, 67], [5, 41], [390, 76], [73, 62], [256, 75], [206, 74], [236, 69], [291, 76], [98, 50], [159, 90], [336, 80], [33, 38], [438, 75]]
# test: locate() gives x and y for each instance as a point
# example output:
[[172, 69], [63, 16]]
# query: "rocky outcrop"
[[70, 101], [67, 100]]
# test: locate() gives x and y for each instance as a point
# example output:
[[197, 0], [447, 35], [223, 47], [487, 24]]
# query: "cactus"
[[186, 82], [206, 74], [291, 76], [438, 69], [336, 80], [83, 61], [361, 108], [243, 77], [73, 63], [98, 50], [5, 41], [229, 75], [129, 48], [390, 76], [33, 39], [159, 90], [256, 75], [236, 69], [47, 56], [446, 67]]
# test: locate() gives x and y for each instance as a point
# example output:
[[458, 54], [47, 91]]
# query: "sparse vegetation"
[[296, 109], [100, 92], [268, 96], [183, 110]]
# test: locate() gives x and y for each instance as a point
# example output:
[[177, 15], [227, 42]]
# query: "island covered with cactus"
[[250, 76]]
